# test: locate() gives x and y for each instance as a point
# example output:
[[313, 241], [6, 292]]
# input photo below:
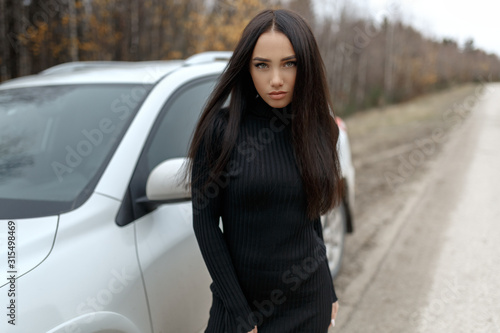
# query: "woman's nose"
[[276, 79]]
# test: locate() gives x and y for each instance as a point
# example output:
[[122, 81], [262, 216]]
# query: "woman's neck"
[[259, 108]]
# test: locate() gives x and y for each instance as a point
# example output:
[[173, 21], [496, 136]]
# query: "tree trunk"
[[73, 31], [84, 26], [389, 52], [21, 28], [134, 29], [362, 70], [4, 43], [154, 39]]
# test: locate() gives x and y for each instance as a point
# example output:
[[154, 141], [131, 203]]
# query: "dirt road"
[[426, 253]]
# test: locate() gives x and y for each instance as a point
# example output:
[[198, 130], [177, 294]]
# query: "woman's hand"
[[254, 330], [335, 309]]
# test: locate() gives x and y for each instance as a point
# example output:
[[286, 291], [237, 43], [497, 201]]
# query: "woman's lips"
[[277, 95]]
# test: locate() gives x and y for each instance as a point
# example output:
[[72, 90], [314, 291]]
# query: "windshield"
[[55, 142]]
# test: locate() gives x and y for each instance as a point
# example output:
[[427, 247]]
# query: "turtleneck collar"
[[259, 108]]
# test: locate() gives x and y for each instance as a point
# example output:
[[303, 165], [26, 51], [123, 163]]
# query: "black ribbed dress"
[[269, 265]]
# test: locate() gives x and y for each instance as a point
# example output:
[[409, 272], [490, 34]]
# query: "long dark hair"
[[314, 131]]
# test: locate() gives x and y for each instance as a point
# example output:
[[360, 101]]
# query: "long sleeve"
[[319, 230], [206, 214]]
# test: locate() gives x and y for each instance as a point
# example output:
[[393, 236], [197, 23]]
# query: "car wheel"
[[334, 230]]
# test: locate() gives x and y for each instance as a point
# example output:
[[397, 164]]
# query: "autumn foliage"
[[369, 61]]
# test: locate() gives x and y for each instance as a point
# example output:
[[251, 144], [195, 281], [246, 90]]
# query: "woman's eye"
[[291, 64], [261, 65]]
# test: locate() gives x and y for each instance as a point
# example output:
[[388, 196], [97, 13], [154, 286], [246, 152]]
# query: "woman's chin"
[[277, 104]]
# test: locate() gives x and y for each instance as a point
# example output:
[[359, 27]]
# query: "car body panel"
[[180, 269], [104, 275], [33, 242], [102, 321], [145, 74], [348, 171]]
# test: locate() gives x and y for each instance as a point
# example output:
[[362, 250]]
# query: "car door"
[[175, 277]]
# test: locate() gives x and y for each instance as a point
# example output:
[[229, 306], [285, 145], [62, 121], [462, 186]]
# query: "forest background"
[[370, 61]]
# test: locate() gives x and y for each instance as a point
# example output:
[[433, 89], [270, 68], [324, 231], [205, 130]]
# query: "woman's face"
[[273, 68]]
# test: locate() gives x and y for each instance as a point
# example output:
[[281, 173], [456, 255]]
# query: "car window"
[[55, 141], [177, 121]]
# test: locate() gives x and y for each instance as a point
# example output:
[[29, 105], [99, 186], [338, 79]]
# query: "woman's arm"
[[335, 303], [319, 230], [206, 214]]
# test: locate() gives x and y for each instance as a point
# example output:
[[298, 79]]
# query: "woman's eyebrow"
[[267, 60], [261, 59], [289, 58]]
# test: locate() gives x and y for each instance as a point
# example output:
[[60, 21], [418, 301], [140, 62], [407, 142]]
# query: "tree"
[[366, 62], [469, 45], [4, 46], [220, 27]]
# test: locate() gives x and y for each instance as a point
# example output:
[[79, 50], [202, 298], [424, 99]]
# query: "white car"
[[95, 234]]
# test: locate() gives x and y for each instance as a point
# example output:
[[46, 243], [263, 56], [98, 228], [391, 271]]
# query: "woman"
[[267, 165]]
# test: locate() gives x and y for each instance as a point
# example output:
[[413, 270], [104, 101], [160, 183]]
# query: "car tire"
[[334, 230]]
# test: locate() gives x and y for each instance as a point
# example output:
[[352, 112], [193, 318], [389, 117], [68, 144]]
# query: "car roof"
[[106, 72]]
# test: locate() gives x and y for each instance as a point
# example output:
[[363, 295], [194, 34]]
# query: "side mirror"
[[164, 182]]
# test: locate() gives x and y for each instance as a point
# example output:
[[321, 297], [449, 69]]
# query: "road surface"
[[434, 263]]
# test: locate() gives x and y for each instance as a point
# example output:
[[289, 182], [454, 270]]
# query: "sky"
[[456, 19]]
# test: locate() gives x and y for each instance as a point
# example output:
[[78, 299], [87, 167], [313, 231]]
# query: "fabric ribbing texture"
[[269, 265]]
